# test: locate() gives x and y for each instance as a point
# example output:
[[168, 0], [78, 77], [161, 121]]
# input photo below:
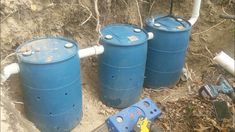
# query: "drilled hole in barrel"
[[126, 127], [38, 98], [112, 77], [73, 105], [50, 114], [65, 93], [151, 112], [155, 110]]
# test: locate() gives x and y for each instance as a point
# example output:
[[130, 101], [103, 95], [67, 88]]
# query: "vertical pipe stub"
[[195, 12], [119, 119]]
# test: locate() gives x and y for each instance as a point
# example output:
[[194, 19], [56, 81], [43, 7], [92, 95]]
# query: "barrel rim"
[[102, 39], [46, 37], [147, 22]]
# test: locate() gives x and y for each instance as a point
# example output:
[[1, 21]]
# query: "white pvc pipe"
[[99, 49], [196, 12], [150, 35], [95, 50], [8, 71], [226, 62], [14, 67]]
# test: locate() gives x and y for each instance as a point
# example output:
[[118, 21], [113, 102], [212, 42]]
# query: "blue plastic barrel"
[[50, 76], [166, 51], [121, 66]]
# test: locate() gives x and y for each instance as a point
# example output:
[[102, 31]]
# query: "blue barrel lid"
[[168, 23], [123, 35], [46, 50]]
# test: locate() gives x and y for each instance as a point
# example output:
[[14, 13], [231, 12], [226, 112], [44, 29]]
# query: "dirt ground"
[[182, 109]]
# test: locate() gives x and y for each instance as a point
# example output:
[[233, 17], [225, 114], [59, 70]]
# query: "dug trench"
[[183, 109]]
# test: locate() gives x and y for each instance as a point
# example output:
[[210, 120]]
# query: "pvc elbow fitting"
[[9, 70], [226, 62]]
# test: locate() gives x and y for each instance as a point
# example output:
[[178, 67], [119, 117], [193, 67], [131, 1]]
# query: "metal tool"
[[212, 91]]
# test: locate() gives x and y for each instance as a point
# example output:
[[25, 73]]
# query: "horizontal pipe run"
[[95, 50], [150, 35], [226, 62]]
